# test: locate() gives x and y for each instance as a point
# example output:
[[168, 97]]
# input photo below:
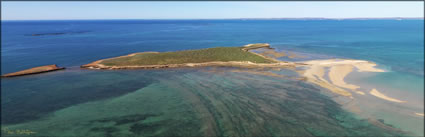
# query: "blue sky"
[[205, 10]]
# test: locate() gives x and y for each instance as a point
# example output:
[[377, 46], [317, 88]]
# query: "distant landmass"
[[301, 18], [359, 18]]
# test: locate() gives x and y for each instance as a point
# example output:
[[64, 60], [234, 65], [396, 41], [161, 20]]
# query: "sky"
[[68, 10]]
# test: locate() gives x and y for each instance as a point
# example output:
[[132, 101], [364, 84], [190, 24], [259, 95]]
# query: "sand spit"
[[35, 70], [360, 92], [338, 73], [382, 96], [420, 114], [338, 70], [315, 74]]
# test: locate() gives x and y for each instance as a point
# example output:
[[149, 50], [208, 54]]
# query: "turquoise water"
[[183, 103], [197, 102]]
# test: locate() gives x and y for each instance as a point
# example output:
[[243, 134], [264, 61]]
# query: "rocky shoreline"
[[96, 65], [35, 70]]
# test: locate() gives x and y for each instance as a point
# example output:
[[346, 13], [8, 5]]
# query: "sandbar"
[[338, 70], [315, 74], [338, 73], [382, 96]]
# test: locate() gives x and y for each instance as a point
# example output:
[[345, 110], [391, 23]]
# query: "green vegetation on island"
[[223, 54], [218, 56]]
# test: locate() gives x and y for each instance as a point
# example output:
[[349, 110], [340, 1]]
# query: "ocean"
[[207, 101]]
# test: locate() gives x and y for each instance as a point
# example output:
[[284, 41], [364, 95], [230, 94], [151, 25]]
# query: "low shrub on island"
[[218, 56], [223, 54]]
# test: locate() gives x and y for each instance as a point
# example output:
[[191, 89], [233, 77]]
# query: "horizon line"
[[283, 18]]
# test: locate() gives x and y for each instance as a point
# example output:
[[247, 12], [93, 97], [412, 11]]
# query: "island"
[[57, 33], [218, 56], [35, 70]]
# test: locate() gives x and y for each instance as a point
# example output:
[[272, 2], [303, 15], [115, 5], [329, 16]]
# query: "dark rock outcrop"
[[35, 70]]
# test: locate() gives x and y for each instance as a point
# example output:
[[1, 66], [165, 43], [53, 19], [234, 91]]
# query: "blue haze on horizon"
[[206, 10]]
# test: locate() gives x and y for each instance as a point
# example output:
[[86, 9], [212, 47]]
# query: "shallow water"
[[180, 102], [401, 115]]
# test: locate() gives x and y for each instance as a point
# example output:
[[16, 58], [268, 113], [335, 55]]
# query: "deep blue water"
[[397, 46]]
